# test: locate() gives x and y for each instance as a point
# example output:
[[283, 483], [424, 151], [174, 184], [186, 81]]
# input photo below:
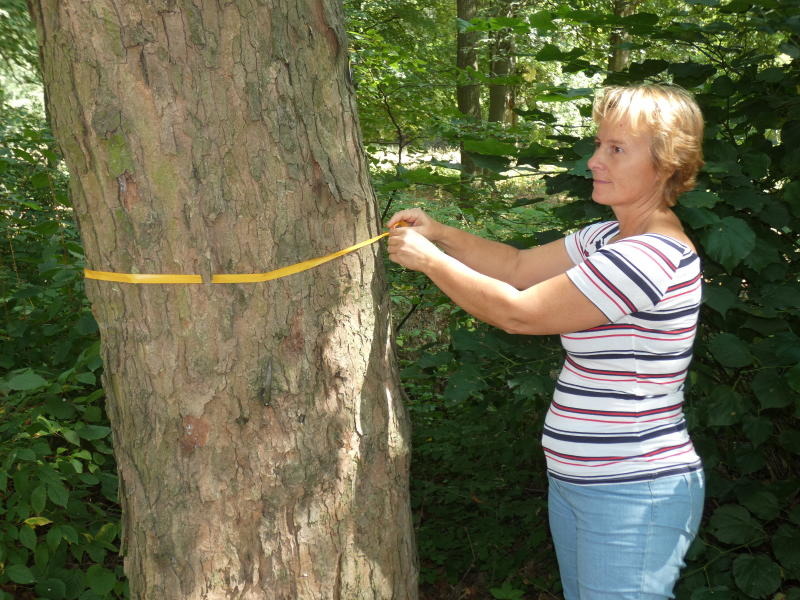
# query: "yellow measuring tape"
[[233, 277]]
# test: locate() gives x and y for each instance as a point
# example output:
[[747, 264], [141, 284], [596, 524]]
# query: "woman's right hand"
[[420, 221]]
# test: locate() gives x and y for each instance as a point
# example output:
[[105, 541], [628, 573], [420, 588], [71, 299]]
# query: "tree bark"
[[502, 65], [468, 94], [619, 58], [261, 442]]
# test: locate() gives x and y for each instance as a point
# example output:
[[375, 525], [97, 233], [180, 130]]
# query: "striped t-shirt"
[[616, 414]]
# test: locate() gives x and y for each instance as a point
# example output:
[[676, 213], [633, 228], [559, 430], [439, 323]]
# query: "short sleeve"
[[585, 241], [626, 277]]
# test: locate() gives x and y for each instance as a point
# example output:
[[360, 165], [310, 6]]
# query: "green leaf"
[[755, 164], [549, 52], [94, 432], [87, 378], [490, 147], [564, 95], [20, 574], [790, 440], [38, 498], [723, 86], [100, 580], [791, 194], [733, 524], [759, 501], [51, 589], [58, 494], [726, 407], [37, 521], [787, 550], [729, 241], [542, 20], [59, 408], [26, 454], [68, 533], [437, 359], [691, 74], [53, 537], [647, 68], [27, 537], [763, 255], [41, 558], [86, 325], [793, 377], [781, 296], [507, 592], [107, 533], [699, 199], [697, 218], [464, 383], [71, 436], [639, 22], [26, 381], [757, 429], [496, 164], [721, 299], [771, 390], [756, 575], [730, 351]]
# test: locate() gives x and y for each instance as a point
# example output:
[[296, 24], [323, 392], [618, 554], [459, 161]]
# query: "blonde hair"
[[670, 115]]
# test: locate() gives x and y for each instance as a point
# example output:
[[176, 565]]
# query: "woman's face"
[[622, 167]]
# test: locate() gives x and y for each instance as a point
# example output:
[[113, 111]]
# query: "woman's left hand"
[[411, 249]]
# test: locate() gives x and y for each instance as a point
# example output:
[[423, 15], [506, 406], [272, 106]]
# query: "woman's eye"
[[616, 149]]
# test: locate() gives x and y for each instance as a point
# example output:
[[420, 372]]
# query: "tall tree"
[[502, 65], [261, 441], [468, 92], [619, 56]]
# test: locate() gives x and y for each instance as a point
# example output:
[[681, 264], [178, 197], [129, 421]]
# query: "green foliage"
[[59, 514], [18, 52], [742, 396], [477, 396]]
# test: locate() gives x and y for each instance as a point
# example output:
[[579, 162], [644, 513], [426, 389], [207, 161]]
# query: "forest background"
[[479, 113]]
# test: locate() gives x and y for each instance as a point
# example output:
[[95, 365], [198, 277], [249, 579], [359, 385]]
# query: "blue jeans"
[[624, 540]]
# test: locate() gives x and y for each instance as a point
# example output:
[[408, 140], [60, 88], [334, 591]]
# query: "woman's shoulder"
[[670, 254], [591, 238], [672, 242]]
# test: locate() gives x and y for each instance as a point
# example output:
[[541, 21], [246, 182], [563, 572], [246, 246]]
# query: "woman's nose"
[[593, 162]]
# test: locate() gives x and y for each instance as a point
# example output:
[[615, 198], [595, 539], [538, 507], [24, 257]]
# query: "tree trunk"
[[260, 437], [502, 66], [619, 58], [468, 94]]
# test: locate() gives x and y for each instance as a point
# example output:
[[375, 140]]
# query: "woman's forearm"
[[495, 259]]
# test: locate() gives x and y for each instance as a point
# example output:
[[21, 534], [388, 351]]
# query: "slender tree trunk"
[[619, 58], [468, 94], [502, 65], [261, 442]]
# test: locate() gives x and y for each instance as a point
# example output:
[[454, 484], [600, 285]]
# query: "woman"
[[625, 484]]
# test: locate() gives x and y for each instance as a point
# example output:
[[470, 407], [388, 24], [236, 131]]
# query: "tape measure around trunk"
[[230, 277]]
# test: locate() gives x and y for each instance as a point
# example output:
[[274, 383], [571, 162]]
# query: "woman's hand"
[[420, 222], [410, 249]]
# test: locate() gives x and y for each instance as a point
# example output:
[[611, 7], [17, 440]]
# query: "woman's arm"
[[551, 306], [519, 268]]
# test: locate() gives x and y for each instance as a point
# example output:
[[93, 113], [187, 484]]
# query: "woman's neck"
[[639, 220]]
